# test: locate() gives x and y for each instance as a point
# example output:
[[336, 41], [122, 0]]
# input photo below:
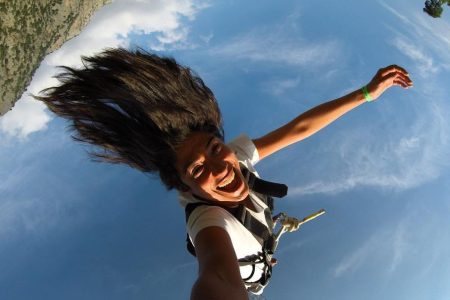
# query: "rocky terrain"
[[29, 30]]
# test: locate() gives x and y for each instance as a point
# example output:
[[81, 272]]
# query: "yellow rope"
[[292, 224]]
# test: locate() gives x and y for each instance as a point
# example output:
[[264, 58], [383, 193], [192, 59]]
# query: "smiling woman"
[[212, 170], [156, 116]]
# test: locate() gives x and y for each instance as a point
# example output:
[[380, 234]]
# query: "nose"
[[219, 168]]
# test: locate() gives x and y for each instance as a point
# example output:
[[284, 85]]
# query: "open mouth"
[[230, 183]]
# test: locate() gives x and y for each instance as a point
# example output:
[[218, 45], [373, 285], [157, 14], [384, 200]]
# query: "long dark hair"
[[137, 106]]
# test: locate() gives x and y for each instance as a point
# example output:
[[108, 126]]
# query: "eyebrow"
[[186, 166]]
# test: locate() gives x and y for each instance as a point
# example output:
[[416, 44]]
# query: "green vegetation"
[[2, 52], [29, 30], [434, 7]]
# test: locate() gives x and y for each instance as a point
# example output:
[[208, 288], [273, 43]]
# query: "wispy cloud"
[[24, 210], [167, 274], [414, 148], [33, 216], [400, 246], [389, 245], [355, 259], [109, 27], [279, 44], [206, 38], [393, 246], [277, 87], [398, 159], [271, 47], [419, 29], [26, 215], [424, 62]]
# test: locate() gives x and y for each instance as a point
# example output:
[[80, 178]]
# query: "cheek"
[[203, 182], [229, 155]]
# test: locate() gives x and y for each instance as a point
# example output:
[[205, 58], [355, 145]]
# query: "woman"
[[158, 117]]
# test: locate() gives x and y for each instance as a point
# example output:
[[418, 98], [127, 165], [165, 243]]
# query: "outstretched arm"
[[320, 116]]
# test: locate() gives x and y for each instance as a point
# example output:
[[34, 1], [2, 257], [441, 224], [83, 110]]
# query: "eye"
[[216, 149], [197, 170]]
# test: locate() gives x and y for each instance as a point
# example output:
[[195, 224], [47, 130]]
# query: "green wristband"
[[366, 94]]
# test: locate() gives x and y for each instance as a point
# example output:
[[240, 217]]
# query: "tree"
[[434, 7]]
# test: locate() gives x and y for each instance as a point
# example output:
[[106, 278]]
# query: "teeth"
[[228, 180]]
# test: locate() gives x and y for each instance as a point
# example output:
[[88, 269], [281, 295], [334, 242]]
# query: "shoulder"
[[244, 148], [204, 211]]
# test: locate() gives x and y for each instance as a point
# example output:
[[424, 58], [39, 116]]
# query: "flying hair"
[[136, 106]]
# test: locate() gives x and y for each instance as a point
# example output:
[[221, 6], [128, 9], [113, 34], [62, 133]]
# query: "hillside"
[[29, 30]]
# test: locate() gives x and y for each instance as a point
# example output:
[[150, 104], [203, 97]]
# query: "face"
[[210, 169]]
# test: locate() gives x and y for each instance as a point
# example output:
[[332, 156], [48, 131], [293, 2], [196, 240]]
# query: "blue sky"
[[74, 229]]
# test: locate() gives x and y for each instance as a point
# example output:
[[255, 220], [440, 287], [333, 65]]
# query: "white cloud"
[[207, 38], [400, 246], [390, 246], [404, 155], [432, 35], [395, 12], [168, 273], [112, 24], [278, 87], [424, 62], [418, 241], [109, 27], [400, 165], [28, 116], [353, 261], [25, 215], [401, 158], [277, 46]]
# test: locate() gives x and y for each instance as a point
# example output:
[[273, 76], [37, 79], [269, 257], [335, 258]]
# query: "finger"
[[393, 68], [389, 77], [402, 70], [405, 78], [391, 74], [401, 83], [397, 79], [387, 71]]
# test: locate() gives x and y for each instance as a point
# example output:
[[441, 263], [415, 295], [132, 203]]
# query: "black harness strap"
[[258, 228], [264, 187]]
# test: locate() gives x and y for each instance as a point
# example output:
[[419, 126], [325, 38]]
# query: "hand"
[[387, 77]]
